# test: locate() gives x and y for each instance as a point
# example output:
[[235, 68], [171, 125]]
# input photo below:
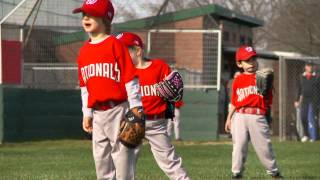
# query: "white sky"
[[139, 6]]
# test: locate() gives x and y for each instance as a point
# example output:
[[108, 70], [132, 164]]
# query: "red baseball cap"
[[130, 39], [244, 53], [97, 8]]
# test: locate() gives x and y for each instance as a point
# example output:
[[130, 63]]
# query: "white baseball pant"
[[247, 127], [112, 159], [163, 151]]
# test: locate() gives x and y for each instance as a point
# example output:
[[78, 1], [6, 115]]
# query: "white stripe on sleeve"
[[133, 91], [87, 112]]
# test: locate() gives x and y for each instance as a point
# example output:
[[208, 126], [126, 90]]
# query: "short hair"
[[107, 24]]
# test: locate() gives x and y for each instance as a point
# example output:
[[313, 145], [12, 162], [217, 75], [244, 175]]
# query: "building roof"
[[275, 55], [211, 9]]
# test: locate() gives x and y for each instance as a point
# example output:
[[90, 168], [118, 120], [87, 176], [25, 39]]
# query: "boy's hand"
[[87, 124], [227, 126], [296, 104]]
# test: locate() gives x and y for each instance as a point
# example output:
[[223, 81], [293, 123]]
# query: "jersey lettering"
[[149, 90], [245, 92], [107, 70]]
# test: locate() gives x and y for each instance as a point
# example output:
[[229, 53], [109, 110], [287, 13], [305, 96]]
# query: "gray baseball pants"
[[112, 159], [247, 127], [163, 151]]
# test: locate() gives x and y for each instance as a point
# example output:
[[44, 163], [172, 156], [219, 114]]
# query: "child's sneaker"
[[304, 139], [276, 175], [236, 176]]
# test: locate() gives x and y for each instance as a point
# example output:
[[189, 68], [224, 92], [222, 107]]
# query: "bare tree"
[[265, 10], [289, 25], [297, 28]]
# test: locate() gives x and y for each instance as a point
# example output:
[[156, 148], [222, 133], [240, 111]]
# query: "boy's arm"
[[128, 73], [133, 92], [87, 112], [227, 126], [232, 107]]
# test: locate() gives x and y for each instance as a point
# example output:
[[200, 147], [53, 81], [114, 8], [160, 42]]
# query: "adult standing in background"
[[306, 100]]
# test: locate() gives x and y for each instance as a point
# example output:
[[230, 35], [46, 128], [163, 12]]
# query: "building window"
[[250, 41], [234, 38], [242, 40], [226, 36]]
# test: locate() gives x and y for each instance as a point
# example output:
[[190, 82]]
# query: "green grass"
[[72, 159]]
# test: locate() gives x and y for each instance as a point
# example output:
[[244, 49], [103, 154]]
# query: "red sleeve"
[[81, 82], [166, 70], [234, 93], [179, 104], [127, 69]]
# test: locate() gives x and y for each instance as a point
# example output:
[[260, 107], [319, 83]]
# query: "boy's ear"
[[139, 51], [239, 64]]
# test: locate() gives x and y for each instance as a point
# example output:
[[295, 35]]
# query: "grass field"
[[72, 159]]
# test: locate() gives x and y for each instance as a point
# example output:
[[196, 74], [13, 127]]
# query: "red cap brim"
[[78, 10]]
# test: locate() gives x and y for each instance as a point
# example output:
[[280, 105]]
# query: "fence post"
[[1, 115], [282, 99]]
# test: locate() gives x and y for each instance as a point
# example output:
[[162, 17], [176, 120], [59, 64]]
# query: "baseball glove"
[[171, 88], [264, 80], [132, 128]]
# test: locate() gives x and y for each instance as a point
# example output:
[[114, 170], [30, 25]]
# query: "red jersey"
[[104, 68], [148, 78], [179, 104], [245, 93]]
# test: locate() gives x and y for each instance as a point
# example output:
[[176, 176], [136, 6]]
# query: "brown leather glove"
[[132, 128]]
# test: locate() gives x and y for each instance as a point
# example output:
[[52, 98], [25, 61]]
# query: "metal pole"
[[12, 11], [219, 60], [38, 3], [22, 58], [149, 43], [0, 54], [282, 99]]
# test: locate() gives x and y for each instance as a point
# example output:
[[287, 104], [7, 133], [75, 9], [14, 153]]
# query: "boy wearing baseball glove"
[[154, 76], [108, 89], [250, 102]]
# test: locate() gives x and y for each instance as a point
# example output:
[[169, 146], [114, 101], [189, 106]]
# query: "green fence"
[[28, 114], [199, 119], [40, 114]]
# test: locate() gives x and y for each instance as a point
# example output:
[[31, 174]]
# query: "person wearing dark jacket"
[[306, 101]]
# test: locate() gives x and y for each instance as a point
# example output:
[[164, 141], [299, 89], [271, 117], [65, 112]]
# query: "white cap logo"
[[249, 49], [91, 1], [136, 42], [120, 36]]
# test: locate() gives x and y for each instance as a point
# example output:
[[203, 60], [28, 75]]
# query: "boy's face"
[[92, 24], [249, 66], [308, 68], [135, 52]]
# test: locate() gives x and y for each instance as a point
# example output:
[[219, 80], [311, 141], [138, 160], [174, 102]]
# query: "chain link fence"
[[41, 40], [196, 54], [299, 81], [30, 34]]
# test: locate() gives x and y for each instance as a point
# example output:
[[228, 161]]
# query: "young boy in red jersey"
[[151, 72], [247, 117], [108, 83]]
